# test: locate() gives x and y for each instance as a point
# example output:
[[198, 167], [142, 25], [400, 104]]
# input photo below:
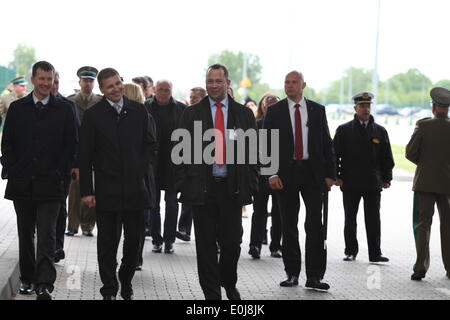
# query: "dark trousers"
[[220, 218], [371, 218], [185, 221], [426, 202], [259, 219], [62, 217], [109, 226], [37, 266], [303, 181], [170, 220]]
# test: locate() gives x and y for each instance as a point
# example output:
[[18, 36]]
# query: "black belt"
[[219, 179]]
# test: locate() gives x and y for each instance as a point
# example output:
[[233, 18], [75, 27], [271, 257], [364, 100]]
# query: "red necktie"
[[298, 134], [220, 152]]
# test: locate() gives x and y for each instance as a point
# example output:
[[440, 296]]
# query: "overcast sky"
[[173, 39]]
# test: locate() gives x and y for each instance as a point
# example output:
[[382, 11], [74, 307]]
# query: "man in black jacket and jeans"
[[167, 113], [116, 142], [217, 188], [38, 149]]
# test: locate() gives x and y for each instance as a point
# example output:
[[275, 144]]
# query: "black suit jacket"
[[320, 145], [38, 149], [118, 149], [194, 180]]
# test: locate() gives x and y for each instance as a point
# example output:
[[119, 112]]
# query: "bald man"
[[307, 166], [167, 112]]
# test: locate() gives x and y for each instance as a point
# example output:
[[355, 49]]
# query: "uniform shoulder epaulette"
[[72, 95], [422, 120]]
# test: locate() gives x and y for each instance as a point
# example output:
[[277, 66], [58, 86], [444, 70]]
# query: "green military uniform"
[[429, 149], [7, 99], [80, 214]]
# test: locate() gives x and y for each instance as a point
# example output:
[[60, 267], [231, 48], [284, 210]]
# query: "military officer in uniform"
[[364, 168], [429, 150], [80, 214], [19, 88]]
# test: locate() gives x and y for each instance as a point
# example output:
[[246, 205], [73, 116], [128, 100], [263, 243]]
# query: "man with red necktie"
[[217, 191], [307, 166]]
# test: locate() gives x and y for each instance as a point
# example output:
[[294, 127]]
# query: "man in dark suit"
[[217, 188], [307, 165], [167, 113], [364, 168], [117, 143], [62, 216], [38, 148]]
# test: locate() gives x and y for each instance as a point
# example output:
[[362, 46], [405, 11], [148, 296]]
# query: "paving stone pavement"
[[174, 276]]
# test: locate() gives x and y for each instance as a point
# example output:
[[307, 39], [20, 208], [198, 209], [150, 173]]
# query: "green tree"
[[443, 83], [24, 58], [409, 89], [235, 62], [354, 80]]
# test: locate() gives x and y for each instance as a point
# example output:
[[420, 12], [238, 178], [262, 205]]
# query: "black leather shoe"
[[448, 275], [233, 294], [157, 248], [70, 233], [59, 255], [276, 254], [147, 233], [379, 259], [138, 268], [109, 298], [349, 257], [127, 296], [183, 236], [168, 248], [88, 234], [43, 294], [418, 276], [290, 281], [26, 288], [254, 252], [316, 284]]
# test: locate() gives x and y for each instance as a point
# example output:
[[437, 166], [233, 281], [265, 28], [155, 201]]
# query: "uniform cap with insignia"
[[363, 97], [440, 97], [87, 72], [19, 81]]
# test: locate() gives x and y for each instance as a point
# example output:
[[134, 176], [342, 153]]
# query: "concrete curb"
[[9, 277]]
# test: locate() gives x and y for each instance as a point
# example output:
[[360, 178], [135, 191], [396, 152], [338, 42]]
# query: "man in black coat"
[[307, 165], [364, 168], [38, 149], [116, 143], [62, 216], [167, 113], [219, 186]]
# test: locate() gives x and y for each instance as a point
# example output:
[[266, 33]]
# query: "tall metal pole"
[[375, 69]]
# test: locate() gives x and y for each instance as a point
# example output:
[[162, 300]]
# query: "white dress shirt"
[[304, 117]]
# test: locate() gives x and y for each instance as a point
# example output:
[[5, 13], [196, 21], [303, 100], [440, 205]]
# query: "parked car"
[[386, 109], [409, 111]]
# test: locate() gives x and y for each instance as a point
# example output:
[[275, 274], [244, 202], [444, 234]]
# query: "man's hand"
[[75, 173], [275, 183], [339, 182], [89, 201], [329, 182], [385, 185]]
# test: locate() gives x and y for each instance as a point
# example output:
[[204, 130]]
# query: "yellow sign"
[[245, 83]]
